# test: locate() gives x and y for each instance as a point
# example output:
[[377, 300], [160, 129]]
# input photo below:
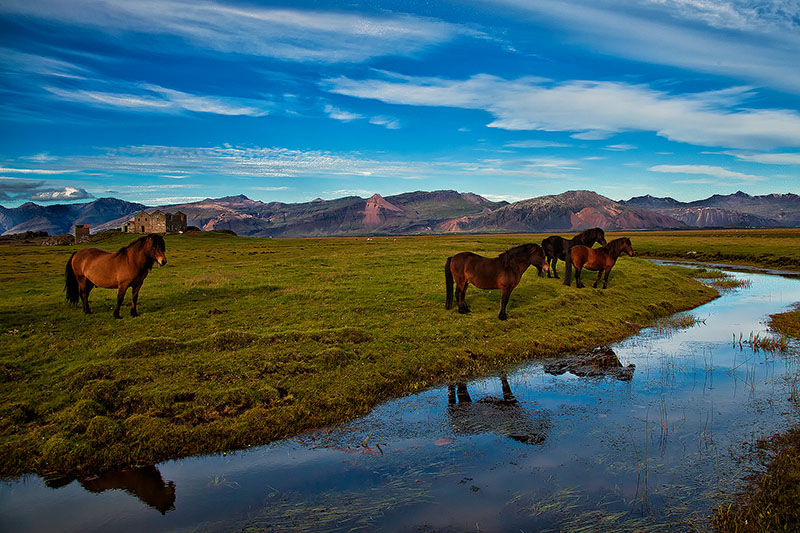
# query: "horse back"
[[100, 267]]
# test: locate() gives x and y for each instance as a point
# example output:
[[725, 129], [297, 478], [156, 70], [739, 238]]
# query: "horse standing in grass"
[[601, 259], [555, 247], [127, 267], [502, 272]]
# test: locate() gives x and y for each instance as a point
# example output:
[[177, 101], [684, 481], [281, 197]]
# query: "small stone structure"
[[156, 222], [81, 233]]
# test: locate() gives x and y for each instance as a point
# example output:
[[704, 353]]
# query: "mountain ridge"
[[421, 212]]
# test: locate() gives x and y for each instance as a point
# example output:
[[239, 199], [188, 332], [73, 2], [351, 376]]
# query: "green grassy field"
[[766, 248], [242, 341]]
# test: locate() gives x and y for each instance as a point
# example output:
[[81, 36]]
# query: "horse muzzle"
[[162, 262]]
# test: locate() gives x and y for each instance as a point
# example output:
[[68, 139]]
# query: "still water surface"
[[534, 451]]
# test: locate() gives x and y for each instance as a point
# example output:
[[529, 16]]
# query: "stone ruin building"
[[81, 233], [156, 222]]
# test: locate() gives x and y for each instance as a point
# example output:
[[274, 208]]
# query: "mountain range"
[[422, 212]]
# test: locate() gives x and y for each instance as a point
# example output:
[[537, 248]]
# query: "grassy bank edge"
[[771, 501]]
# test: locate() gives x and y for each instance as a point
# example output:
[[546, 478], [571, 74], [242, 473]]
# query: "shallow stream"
[[654, 446]]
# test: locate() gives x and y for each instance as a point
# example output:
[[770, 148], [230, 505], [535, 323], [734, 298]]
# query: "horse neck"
[[614, 251], [139, 258]]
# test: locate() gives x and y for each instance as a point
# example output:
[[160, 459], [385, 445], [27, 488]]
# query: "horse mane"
[[158, 243], [615, 247], [588, 234], [516, 253]]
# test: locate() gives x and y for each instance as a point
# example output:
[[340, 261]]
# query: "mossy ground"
[[241, 341]]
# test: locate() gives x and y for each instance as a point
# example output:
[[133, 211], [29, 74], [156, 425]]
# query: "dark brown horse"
[[555, 247], [601, 259], [127, 267], [502, 272]]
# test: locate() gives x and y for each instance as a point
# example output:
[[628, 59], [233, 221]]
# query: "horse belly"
[[99, 268]]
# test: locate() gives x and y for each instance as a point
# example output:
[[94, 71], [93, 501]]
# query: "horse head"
[[600, 236], [538, 259], [628, 248], [156, 248]]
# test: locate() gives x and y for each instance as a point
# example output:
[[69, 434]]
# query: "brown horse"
[[601, 259], [503, 272], [555, 247], [127, 267]]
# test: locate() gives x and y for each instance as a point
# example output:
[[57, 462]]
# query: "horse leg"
[[553, 267], [506, 292], [85, 288], [578, 281], [605, 279], [120, 298], [599, 275], [135, 298], [462, 302]]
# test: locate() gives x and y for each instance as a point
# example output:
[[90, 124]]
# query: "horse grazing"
[[601, 259], [502, 272], [127, 267], [555, 247]]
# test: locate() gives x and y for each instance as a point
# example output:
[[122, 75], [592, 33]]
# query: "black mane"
[[517, 253], [158, 244]]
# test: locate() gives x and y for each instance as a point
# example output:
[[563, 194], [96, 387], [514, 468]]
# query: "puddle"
[[652, 439]]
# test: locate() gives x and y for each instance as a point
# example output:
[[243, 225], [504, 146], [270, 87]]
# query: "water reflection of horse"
[[503, 416], [127, 267], [555, 246], [502, 272], [145, 483], [601, 259]]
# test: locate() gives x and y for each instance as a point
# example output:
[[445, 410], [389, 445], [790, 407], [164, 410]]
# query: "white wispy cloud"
[[622, 147], [156, 99], [766, 158], [756, 42], [706, 170], [34, 170], [17, 61], [537, 144], [387, 122], [339, 114], [714, 118], [289, 34]]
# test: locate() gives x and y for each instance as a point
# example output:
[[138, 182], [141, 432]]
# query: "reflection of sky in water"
[[658, 450]]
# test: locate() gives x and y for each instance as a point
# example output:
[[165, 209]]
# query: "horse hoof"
[[502, 317], [134, 314]]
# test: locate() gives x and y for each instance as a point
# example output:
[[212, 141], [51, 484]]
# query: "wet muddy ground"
[[651, 433]]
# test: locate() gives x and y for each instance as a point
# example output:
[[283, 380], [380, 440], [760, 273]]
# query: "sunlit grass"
[[242, 341]]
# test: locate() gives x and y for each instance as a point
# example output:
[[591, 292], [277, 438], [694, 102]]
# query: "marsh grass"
[[770, 501], [676, 321], [242, 341]]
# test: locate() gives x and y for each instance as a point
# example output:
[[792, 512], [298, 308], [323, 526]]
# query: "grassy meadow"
[[242, 341]]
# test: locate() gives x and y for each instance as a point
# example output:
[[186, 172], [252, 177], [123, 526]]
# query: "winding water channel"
[[549, 446]]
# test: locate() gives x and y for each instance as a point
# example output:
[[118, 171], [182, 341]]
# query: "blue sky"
[[168, 101]]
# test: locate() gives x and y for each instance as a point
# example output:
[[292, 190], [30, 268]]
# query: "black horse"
[[555, 246]]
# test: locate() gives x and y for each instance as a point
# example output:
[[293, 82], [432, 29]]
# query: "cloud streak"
[[155, 99], [714, 118], [740, 40], [706, 170], [287, 34]]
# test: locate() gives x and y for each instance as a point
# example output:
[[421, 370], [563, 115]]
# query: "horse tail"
[[71, 286], [448, 283], [567, 263]]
